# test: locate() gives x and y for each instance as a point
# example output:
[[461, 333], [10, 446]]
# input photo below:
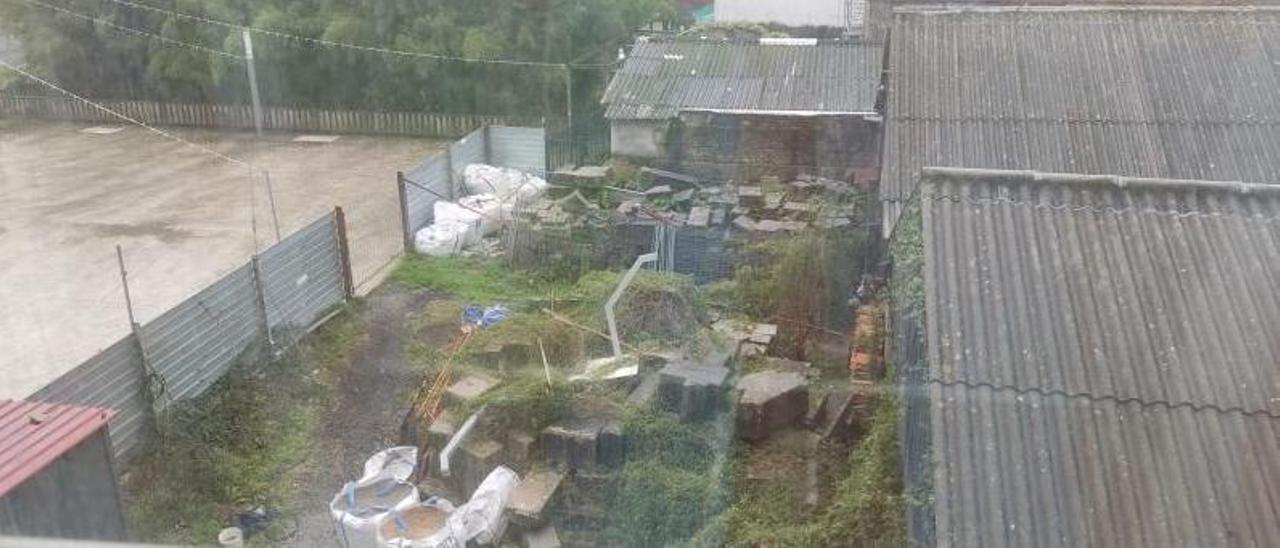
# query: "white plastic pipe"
[[617, 294], [457, 439]]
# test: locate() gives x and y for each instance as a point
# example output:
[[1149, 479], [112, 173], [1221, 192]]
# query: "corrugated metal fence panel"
[[466, 151], [420, 203], [522, 148], [301, 276], [194, 343], [114, 378]]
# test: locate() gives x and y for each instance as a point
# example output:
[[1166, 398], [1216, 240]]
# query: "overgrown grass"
[[667, 308], [866, 508], [907, 251], [477, 280], [525, 402], [672, 488], [801, 283], [241, 444]]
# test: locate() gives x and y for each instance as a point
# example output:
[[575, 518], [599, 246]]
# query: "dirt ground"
[[374, 392], [183, 218]]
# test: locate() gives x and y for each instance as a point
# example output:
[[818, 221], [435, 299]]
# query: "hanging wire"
[[157, 131]]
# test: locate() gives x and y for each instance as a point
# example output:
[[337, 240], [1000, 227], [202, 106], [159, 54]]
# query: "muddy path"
[[372, 395]]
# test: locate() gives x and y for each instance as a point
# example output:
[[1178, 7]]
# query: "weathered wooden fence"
[[424, 124]]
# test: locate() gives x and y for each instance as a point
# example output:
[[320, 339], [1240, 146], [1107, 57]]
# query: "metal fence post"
[[262, 299], [405, 227], [488, 146], [344, 252], [152, 381], [448, 166]]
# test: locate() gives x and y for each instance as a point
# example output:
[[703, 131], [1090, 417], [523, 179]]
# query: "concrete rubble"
[[477, 458], [441, 431], [520, 447], [660, 190], [469, 387], [693, 390], [699, 216], [750, 197], [583, 444], [530, 500], [770, 400], [545, 537]]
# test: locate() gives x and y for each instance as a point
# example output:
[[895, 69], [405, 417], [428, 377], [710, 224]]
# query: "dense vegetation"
[[107, 63]]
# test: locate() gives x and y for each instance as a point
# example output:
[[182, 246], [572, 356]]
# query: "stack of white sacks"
[[492, 193], [384, 494]]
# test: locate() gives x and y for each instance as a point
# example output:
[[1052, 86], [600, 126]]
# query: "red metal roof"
[[34, 434]]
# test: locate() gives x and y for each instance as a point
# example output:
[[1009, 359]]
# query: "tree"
[[99, 61]]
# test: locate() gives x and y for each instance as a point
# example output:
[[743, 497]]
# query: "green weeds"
[[239, 445]]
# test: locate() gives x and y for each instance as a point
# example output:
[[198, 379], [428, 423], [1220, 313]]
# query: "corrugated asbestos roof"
[[661, 78], [1185, 93], [1104, 360], [33, 435]]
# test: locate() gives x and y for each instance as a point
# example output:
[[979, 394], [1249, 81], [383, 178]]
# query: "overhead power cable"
[[133, 31], [357, 47], [157, 131]]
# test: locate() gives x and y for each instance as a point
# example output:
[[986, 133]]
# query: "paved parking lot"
[[182, 217]]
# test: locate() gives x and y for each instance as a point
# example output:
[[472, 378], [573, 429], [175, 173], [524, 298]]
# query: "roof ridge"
[[1173, 7], [1106, 398], [1030, 177]]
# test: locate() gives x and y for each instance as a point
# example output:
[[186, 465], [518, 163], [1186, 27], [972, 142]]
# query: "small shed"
[[742, 110], [57, 478]]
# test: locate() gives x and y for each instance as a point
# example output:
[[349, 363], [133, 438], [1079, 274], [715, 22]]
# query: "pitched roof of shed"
[[1104, 366], [661, 78], [1185, 93], [28, 445]]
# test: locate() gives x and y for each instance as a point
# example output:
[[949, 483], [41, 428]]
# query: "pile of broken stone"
[[766, 206]]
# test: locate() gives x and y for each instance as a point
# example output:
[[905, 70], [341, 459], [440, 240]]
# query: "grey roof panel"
[[661, 78], [1156, 92], [1103, 360]]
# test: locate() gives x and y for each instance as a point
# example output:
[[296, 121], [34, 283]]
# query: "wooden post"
[[405, 226], [344, 252]]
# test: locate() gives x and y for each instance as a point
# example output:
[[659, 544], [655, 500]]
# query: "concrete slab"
[[545, 537], [478, 458], [182, 217], [520, 446], [469, 387], [699, 216], [102, 130], [644, 392], [530, 499], [770, 400], [441, 431], [690, 389], [315, 139]]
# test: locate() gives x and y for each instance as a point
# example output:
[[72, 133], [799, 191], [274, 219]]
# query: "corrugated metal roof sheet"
[[1185, 93], [1104, 364], [661, 78], [33, 435]]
